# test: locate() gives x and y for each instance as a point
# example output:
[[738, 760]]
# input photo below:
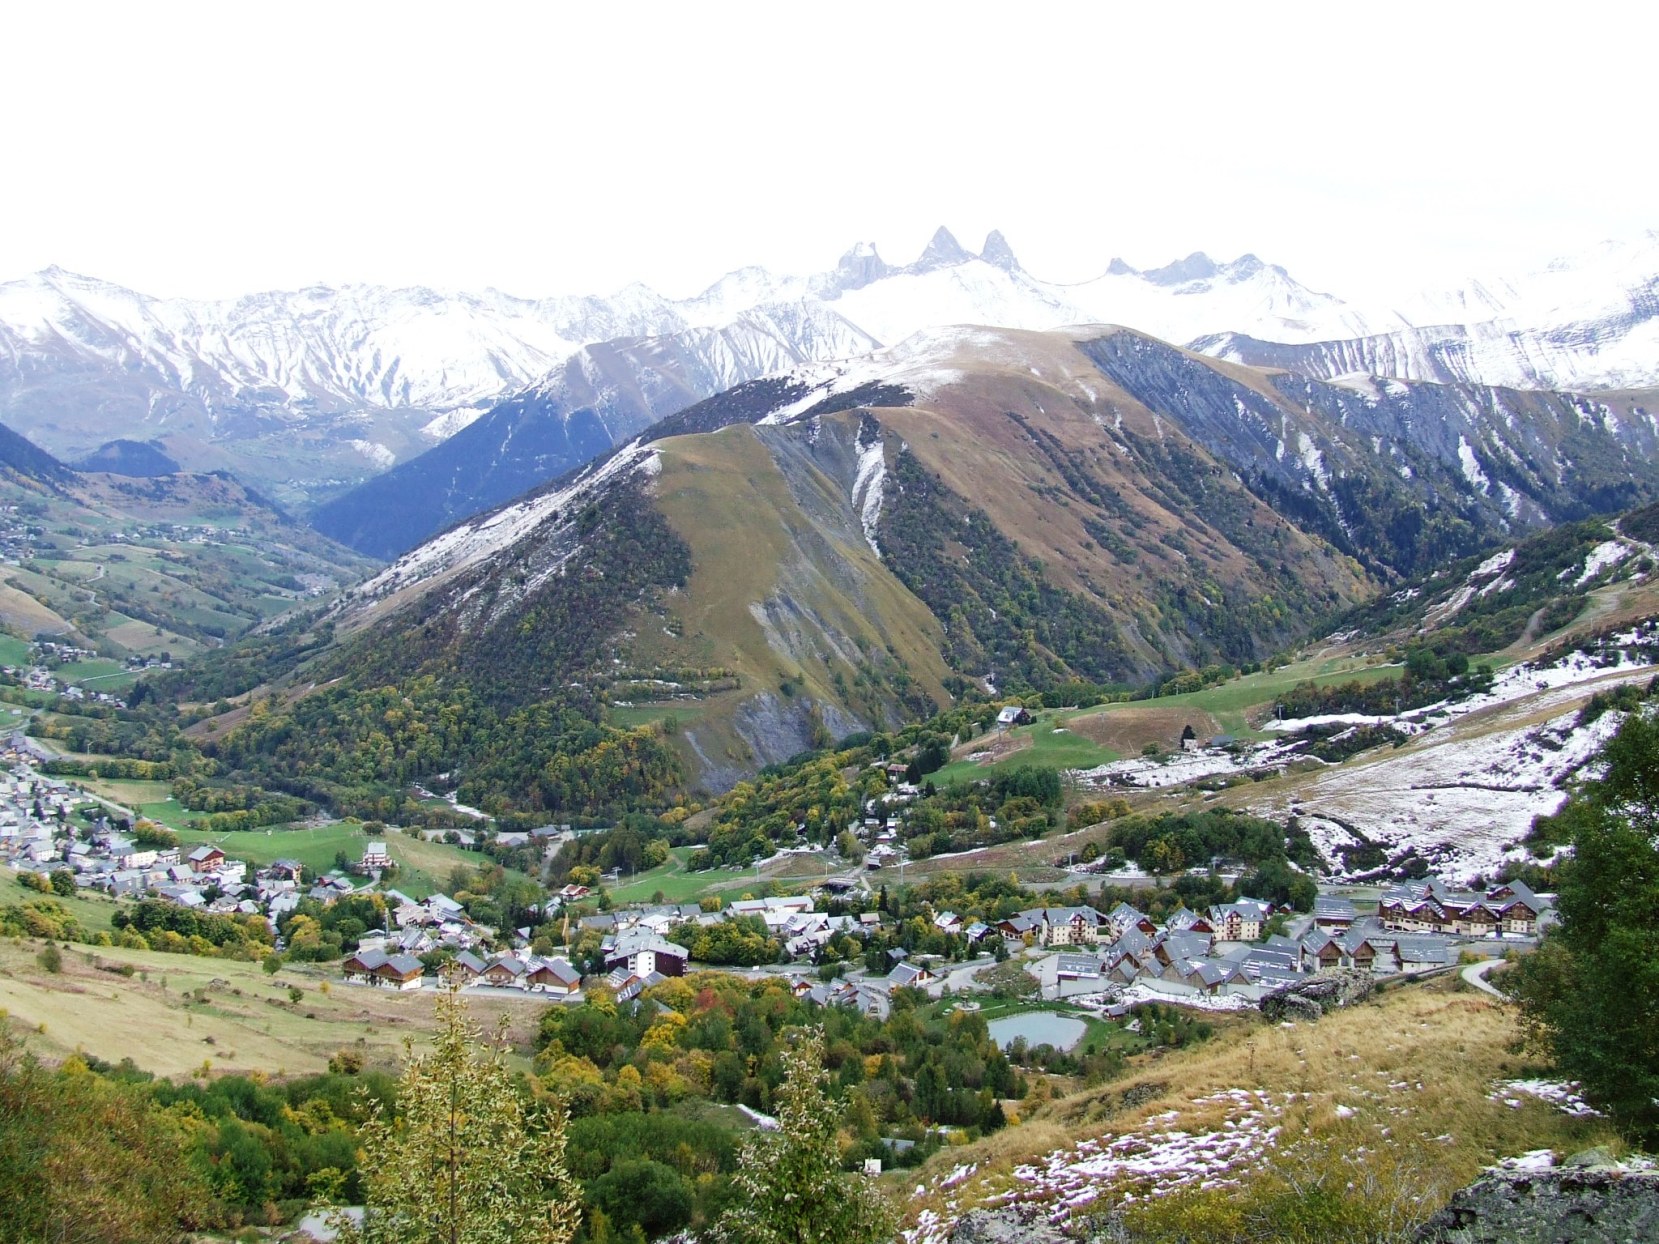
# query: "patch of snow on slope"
[[480, 538], [1533, 1160], [1471, 465], [375, 452], [1493, 564], [1359, 382], [1434, 617], [1608, 553], [1298, 724], [1148, 991], [1565, 1095], [1148, 774], [1156, 1158], [920, 363], [1464, 803], [867, 488], [1312, 459], [450, 422]]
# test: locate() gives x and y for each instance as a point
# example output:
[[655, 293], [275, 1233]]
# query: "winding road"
[[1475, 974]]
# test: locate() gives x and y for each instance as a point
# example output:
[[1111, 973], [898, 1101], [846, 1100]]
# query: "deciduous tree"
[[464, 1160], [84, 1160]]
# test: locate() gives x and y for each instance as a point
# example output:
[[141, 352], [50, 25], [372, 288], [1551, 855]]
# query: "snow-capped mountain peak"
[[943, 251], [998, 253], [1590, 321], [90, 361]]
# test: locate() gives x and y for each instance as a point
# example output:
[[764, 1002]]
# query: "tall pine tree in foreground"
[[790, 1188], [464, 1161], [1590, 995]]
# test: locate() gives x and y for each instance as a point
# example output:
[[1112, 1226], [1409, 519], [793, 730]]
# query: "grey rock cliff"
[[1590, 1198]]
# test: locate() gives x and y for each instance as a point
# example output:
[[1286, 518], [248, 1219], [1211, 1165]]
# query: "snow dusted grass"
[[1367, 1120], [1564, 1095]]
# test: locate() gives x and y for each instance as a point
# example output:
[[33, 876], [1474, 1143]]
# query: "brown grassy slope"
[[24, 613], [963, 433], [1129, 728], [1402, 1086], [246, 1020], [783, 586]]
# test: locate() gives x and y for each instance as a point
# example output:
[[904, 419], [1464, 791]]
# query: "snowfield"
[[1461, 794]]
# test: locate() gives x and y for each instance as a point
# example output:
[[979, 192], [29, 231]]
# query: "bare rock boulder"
[[1321, 992], [1590, 1198], [1011, 1225]]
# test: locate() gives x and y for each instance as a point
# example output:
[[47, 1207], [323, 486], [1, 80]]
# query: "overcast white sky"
[[220, 148]]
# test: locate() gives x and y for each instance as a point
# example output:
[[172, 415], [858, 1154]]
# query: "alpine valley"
[[1070, 754]]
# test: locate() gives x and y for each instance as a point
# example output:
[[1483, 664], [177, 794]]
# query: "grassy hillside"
[[787, 597], [1122, 509], [1018, 511], [1083, 738], [176, 1013], [1377, 1114]]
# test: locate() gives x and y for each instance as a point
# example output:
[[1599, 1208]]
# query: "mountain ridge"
[[311, 389], [1026, 510]]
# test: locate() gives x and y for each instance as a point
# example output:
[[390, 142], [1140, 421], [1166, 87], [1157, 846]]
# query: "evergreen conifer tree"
[[1590, 994]]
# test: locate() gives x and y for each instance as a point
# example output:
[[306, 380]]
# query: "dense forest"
[[1000, 612], [354, 749]]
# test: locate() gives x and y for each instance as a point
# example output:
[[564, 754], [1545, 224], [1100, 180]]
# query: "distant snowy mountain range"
[[318, 388]]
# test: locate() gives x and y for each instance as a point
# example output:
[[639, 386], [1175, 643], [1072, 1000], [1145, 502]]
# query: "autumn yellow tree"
[[464, 1159]]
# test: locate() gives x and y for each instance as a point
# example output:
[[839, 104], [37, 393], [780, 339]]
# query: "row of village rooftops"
[[1071, 950], [1210, 951]]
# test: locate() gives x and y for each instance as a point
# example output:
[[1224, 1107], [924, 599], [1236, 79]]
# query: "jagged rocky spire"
[[944, 251], [998, 253]]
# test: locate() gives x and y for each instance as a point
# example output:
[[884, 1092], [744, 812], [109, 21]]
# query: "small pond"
[[1038, 1028]]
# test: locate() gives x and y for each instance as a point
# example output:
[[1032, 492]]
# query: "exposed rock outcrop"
[[1325, 991], [1590, 1199], [1006, 1226]]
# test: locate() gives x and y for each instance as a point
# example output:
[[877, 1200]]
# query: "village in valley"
[[837, 943]]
